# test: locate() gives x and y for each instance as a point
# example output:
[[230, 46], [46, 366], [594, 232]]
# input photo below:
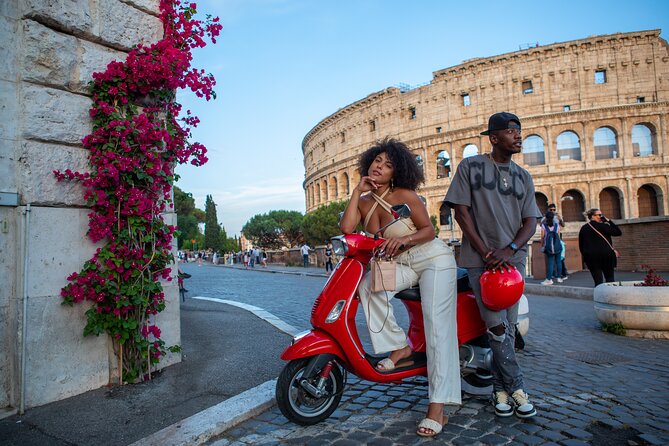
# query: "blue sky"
[[284, 65]]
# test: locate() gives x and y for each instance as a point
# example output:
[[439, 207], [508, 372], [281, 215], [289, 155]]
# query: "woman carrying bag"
[[596, 246]]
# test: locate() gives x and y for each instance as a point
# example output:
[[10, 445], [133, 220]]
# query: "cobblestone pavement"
[[589, 387]]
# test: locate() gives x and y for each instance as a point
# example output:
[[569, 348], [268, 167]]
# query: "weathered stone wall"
[[434, 118], [50, 50]]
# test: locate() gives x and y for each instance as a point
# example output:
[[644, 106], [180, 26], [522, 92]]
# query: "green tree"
[[275, 229], [212, 230], [263, 231], [433, 219], [289, 224], [323, 223], [188, 219]]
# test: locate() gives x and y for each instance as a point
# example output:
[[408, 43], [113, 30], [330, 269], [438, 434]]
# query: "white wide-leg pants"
[[432, 267]]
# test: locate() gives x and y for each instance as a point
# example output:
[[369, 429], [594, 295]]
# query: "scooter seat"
[[414, 293]]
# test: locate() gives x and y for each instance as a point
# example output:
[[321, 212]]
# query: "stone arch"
[[611, 203], [534, 153], [318, 194], [572, 203], [324, 189], [334, 189], [644, 139], [605, 142], [443, 164], [542, 202], [568, 146], [648, 199]]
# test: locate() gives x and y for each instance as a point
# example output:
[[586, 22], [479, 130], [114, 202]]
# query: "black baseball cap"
[[502, 121]]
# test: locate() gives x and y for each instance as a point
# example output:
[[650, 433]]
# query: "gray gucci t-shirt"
[[499, 198]]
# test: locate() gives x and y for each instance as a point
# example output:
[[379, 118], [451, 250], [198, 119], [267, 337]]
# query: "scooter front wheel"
[[301, 406]]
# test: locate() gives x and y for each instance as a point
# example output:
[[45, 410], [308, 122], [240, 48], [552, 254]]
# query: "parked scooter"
[[310, 386]]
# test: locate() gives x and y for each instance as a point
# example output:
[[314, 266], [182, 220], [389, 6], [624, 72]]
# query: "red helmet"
[[501, 289]]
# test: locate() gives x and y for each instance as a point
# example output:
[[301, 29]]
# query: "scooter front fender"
[[316, 342]]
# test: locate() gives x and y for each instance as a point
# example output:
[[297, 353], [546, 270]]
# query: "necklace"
[[505, 181]]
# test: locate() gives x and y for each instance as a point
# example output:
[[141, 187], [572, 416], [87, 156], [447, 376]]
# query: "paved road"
[[590, 387]]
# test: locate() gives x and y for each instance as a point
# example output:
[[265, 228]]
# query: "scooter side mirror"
[[401, 210]]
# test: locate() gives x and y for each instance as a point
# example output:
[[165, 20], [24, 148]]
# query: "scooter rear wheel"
[[298, 405]]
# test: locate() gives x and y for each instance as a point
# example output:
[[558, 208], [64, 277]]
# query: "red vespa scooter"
[[310, 386]]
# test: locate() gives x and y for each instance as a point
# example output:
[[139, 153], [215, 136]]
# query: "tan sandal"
[[387, 365], [428, 423]]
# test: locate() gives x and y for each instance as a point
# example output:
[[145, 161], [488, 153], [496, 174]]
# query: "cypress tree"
[[212, 231]]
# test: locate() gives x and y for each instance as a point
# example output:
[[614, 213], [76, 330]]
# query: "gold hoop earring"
[[392, 184]]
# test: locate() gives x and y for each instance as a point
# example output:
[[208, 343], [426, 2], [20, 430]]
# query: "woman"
[[594, 242], [551, 246], [389, 176]]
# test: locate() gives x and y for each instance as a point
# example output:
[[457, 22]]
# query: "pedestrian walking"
[[328, 258], [305, 253], [551, 246], [596, 246], [494, 204]]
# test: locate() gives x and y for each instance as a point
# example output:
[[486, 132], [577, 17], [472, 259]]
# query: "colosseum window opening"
[[412, 113], [568, 146], [566, 108], [443, 165], [606, 143], [470, 150], [610, 203], [533, 151], [343, 136], [600, 76], [644, 141], [372, 126], [542, 202], [640, 99], [647, 199], [466, 101], [573, 205], [419, 161], [527, 87], [438, 129], [444, 215]]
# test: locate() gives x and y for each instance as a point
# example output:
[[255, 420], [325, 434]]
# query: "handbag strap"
[[602, 236]]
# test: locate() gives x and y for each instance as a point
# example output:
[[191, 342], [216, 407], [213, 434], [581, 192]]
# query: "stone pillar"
[[632, 201], [49, 52]]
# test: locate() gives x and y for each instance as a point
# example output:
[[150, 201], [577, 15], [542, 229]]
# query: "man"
[[494, 206], [305, 254], [557, 217]]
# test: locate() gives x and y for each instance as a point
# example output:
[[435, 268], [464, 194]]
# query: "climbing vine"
[[139, 136]]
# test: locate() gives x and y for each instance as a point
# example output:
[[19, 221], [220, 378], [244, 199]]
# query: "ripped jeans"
[[505, 369]]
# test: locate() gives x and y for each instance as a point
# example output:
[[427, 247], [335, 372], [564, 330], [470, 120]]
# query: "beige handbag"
[[383, 275]]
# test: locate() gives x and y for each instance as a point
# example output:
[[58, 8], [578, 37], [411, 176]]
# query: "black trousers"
[[601, 273]]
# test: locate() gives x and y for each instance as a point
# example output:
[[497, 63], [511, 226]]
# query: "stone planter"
[[643, 311]]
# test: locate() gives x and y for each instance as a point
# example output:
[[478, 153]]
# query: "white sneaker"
[[547, 282], [502, 404], [524, 409], [559, 280]]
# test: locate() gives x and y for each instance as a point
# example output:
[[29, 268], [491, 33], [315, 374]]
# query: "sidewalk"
[[219, 363]]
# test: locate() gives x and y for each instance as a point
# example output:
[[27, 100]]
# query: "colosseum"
[[595, 128]]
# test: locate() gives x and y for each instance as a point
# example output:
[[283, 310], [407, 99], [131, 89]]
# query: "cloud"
[[235, 206]]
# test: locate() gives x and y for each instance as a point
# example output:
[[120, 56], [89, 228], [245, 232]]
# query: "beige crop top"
[[401, 228]]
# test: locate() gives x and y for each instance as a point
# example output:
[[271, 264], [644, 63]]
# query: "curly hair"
[[408, 174]]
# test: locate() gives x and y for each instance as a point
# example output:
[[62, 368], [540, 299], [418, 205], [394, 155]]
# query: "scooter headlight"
[[339, 246], [335, 312]]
